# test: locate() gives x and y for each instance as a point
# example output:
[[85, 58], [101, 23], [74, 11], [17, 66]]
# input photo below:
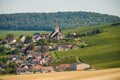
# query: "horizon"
[[57, 12], [110, 7]]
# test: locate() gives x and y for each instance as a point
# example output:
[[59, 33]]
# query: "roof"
[[63, 66], [21, 36], [38, 67], [37, 47], [11, 56], [56, 34], [36, 34], [32, 52], [36, 59], [46, 53], [23, 48], [82, 66], [65, 45]]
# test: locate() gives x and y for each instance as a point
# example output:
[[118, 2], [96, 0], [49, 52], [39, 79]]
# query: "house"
[[47, 69], [12, 57], [7, 46], [19, 44], [45, 36], [36, 37], [46, 55], [23, 68], [22, 38], [48, 47], [36, 61], [50, 59], [63, 47], [23, 49], [38, 68], [57, 34], [63, 67], [12, 41], [74, 46], [29, 55], [82, 66], [43, 61], [79, 66], [72, 34], [32, 53], [37, 48]]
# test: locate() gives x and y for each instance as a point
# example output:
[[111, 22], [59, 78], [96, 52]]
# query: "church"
[[57, 34]]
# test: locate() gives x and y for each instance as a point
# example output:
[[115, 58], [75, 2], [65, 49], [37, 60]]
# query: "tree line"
[[46, 21]]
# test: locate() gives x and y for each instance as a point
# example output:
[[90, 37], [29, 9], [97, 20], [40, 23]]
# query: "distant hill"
[[46, 21]]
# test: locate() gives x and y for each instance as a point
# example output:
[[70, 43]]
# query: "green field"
[[3, 33], [105, 49]]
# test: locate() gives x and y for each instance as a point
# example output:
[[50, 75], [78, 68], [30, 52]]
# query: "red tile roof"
[[38, 67], [63, 66]]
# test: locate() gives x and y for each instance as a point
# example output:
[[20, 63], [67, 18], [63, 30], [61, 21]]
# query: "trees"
[[28, 40], [45, 21], [9, 37], [7, 70], [10, 68], [42, 42], [42, 49], [16, 51], [30, 47], [2, 49]]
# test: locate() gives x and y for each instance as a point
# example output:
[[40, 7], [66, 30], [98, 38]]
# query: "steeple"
[[57, 34], [56, 28]]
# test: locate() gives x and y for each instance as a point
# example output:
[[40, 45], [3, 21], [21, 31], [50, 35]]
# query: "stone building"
[[57, 34]]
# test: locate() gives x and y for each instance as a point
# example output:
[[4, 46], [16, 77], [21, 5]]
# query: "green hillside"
[[105, 49], [46, 21]]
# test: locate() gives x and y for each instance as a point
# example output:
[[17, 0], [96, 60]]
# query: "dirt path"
[[108, 74]]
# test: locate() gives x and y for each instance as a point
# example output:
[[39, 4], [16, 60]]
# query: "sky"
[[39, 6]]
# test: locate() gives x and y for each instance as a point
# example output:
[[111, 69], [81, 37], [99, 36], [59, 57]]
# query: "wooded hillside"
[[46, 21]]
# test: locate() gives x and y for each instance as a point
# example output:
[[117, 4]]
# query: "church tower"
[[57, 34], [56, 28]]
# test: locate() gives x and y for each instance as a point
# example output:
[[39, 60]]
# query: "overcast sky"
[[101, 6]]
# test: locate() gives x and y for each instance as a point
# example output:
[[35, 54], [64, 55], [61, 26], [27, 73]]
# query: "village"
[[33, 54]]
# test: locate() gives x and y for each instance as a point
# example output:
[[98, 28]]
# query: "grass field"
[[3, 33], [107, 74], [105, 49]]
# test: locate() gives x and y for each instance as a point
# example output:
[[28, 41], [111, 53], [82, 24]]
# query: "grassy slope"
[[85, 29], [105, 49]]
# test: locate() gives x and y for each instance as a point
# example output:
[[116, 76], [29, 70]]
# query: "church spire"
[[56, 28], [57, 34]]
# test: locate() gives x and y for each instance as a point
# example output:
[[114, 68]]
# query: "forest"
[[46, 21]]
